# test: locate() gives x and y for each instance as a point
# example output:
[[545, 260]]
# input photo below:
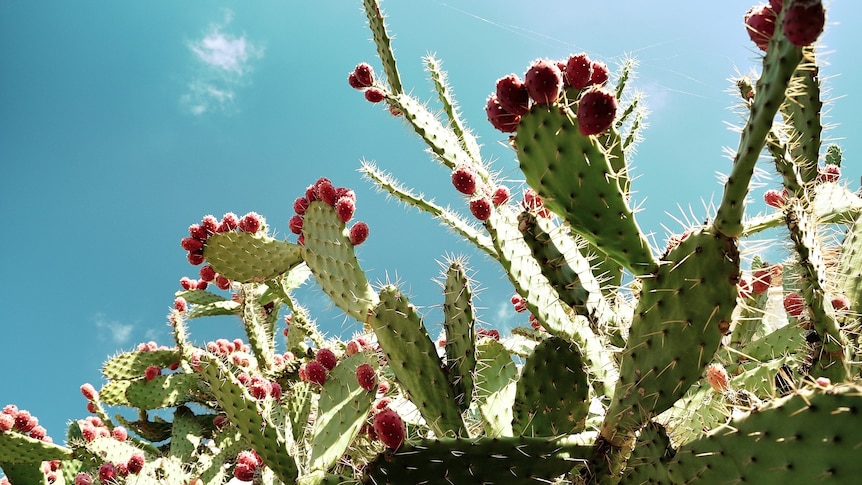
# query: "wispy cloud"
[[223, 65], [118, 332]]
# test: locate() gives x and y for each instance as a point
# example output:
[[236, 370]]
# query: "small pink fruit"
[[295, 224], [107, 472], [222, 283], [596, 111], [353, 347], [481, 208], [210, 224], [364, 74], [325, 191], [315, 373], [464, 180], [201, 285], [327, 358], [794, 304], [717, 377], [345, 192], [250, 222], [83, 478], [207, 273], [345, 207], [804, 21], [7, 422], [823, 381], [24, 421], [535, 324], [120, 433], [366, 377], [136, 463], [90, 393], [187, 283], [260, 388], [152, 372], [760, 24], [501, 119], [501, 195], [91, 407], [579, 70], [600, 74], [191, 244], [353, 81], [229, 222], [38, 433], [488, 333], [775, 198], [195, 259], [374, 95], [744, 289], [358, 233], [828, 173], [180, 304], [512, 95], [762, 280], [534, 202], [244, 472], [389, 428], [841, 303], [544, 81], [198, 232], [300, 205]]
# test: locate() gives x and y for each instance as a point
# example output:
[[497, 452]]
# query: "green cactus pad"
[[850, 266], [186, 433], [161, 392], [156, 430], [683, 312], [114, 393], [199, 297], [552, 395], [299, 407], [412, 356], [109, 449], [786, 340], [801, 112], [341, 411], [573, 175], [496, 377], [648, 461], [29, 473], [382, 40], [246, 257], [18, 448], [809, 437], [214, 309], [213, 468], [502, 461], [331, 258], [458, 324], [131, 365]]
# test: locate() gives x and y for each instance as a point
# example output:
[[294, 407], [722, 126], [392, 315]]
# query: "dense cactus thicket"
[[639, 364]]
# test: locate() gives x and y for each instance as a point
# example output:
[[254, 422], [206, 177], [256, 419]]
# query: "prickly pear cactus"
[[692, 362]]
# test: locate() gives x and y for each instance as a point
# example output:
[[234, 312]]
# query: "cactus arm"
[[376, 21], [438, 77], [495, 380], [299, 408], [259, 327], [778, 67], [801, 112], [458, 324]]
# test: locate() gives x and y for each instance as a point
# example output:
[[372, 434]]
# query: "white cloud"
[[118, 332], [224, 63]]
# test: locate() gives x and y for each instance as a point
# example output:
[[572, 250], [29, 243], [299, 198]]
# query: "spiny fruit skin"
[[775, 198], [717, 377], [136, 463], [295, 224], [152, 372], [544, 81], [107, 472], [389, 428], [762, 279], [760, 25], [90, 393], [315, 373], [300, 205], [229, 222], [366, 377], [481, 208], [207, 273], [841, 303], [513, 95], [464, 180], [794, 304], [7, 422], [244, 472], [364, 75], [327, 358], [345, 207], [499, 118], [358, 233], [501, 195], [83, 478], [828, 173], [374, 95], [325, 191], [600, 74], [579, 70], [250, 222], [596, 111], [803, 22]]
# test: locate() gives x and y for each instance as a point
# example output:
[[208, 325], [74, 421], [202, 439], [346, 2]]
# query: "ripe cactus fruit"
[[579, 70], [803, 21], [760, 25], [775, 198], [345, 207], [358, 233], [250, 222], [364, 75], [300, 205], [389, 428], [600, 74], [83, 478], [315, 373], [136, 463], [762, 280], [325, 191], [596, 111], [481, 208], [107, 472], [501, 196], [513, 95], [89, 392], [828, 173], [840, 303], [794, 304], [7, 422], [327, 358], [152, 372], [366, 377], [464, 180], [229, 222], [295, 224], [544, 81], [501, 119], [374, 95], [717, 377]]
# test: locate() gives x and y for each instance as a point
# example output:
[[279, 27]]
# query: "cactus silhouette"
[[641, 364]]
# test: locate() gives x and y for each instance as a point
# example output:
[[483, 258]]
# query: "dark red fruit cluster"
[[534, 203], [198, 233], [247, 464], [828, 173], [543, 84], [259, 387], [20, 420], [389, 427], [342, 199], [482, 200], [362, 78], [802, 24]]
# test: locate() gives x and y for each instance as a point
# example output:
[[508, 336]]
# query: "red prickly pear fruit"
[[260, 388], [107, 472], [191, 244], [716, 376], [512, 94], [775, 198], [251, 222], [7, 422], [345, 192], [83, 478], [762, 280], [276, 390], [481, 208], [38, 433], [295, 224], [187, 283], [776, 5], [91, 407], [327, 358], [210, 224], [374, 95], [464, 180], [311, 193], [366, 377], [828, 173], [207, 273], [315, 373], [353, 81], [841, 303], [596, 111], [345, 208], [383, 388], [389, 428], [198, 232], [243, 472], [744, 288], [501, 195], [501, 119], [325, 191], [201, 285], [120, 433], [794, 304], [600, 74], [353, 347], [152, 372], [247, 458], [579, 70], [222, 283], [300, 205], [804, 21], [229, 222], [488, 333], [760, 24], [136, 463], [562, 66], [358, 233], [89, 392], [364, 74], [535, 324], [544, 81], [534, 202], [195, 259], [301, 240]]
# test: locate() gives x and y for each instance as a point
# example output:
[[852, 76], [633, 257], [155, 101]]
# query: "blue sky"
[[123, 123]]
